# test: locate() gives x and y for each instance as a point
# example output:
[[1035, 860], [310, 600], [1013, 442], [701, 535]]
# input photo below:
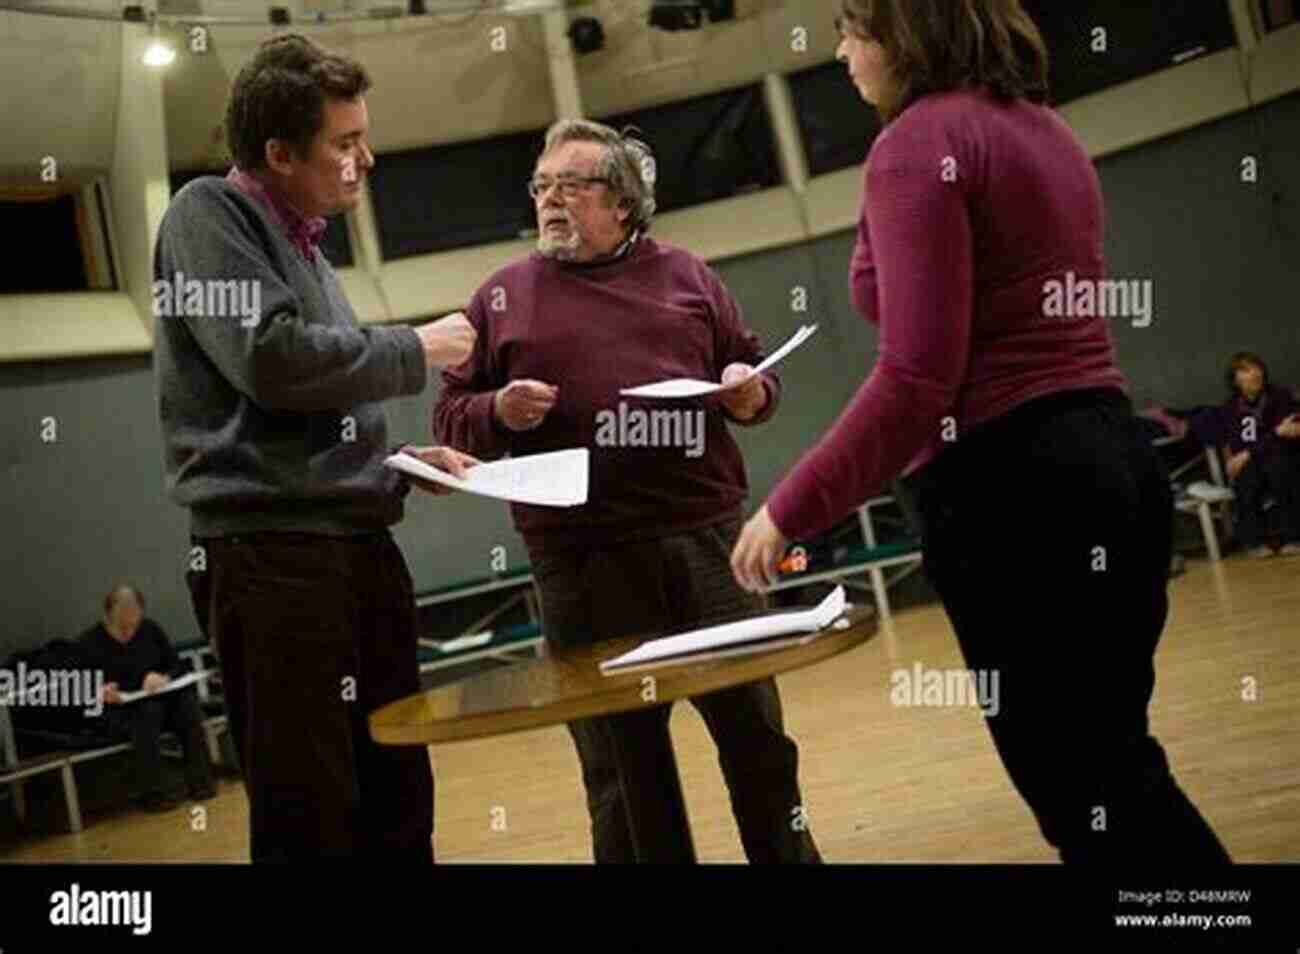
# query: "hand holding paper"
[[557, 479], [153, 681], [749, 395], [692, 387], [443, 459]]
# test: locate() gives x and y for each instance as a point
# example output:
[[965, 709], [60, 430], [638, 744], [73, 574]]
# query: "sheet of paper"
[[555, 479], [692, 387], [744, 649], [178, 683], [760, 632]]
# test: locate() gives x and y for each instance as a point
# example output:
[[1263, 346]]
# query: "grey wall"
[[1224, 255], [88, 509]]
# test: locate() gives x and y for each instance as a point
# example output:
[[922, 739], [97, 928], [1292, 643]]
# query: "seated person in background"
[[134, 653], [1261, 424]]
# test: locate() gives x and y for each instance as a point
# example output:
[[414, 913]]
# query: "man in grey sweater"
[[274, 438]]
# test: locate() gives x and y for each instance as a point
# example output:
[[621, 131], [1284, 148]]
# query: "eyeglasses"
[[569, 185]]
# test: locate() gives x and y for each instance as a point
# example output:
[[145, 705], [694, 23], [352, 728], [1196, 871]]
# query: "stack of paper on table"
[[556, 479], [774, 631]]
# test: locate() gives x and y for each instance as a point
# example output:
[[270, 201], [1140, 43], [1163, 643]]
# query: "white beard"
[[562, 250]]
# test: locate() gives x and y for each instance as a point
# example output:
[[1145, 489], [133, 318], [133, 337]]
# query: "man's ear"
[[278, 156]]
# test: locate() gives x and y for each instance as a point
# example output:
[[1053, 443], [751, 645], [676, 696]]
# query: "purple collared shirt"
[[303, 231]]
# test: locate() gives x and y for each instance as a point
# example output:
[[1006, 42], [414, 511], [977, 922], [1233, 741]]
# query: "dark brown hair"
[[932, 46], [1240, 360], [281, 93]]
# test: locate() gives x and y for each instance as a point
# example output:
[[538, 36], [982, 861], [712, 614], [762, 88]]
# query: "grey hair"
[[628, 162]]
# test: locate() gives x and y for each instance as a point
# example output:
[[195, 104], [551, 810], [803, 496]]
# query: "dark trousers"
[[1271, 473], [655, 587], [1048, 537], [145, 720], [314, 634]]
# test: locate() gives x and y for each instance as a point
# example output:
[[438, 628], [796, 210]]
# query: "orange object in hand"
[[795, 562]]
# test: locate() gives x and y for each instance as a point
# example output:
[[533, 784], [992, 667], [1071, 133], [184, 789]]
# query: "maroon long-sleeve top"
[[971, 209], [592, 330]]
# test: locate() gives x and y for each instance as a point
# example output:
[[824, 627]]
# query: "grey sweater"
[[268, 388]]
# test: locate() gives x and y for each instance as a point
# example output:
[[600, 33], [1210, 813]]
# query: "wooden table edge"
[[672, 683]]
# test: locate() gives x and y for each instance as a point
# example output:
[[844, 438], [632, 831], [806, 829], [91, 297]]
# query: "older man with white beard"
[[600, 306]]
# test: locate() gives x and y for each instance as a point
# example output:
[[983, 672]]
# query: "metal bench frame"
[[14, 769], [880, 584]]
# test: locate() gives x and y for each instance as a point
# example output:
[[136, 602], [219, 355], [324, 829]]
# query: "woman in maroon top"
[[1047, 517]]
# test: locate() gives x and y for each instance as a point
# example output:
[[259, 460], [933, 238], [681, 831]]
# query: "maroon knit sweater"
[[971, 210], [657, 313]]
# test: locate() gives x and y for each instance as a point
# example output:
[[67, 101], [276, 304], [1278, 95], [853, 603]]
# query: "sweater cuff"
[[491, 437], [769, 407], [780, 507], [403, 485], [410, 354]]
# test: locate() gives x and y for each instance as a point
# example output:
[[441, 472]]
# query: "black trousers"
[[1270, 473], [144, 722], [314, 634], [1048, 536], [655, 587]]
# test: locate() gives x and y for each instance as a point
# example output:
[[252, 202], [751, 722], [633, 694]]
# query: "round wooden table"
[[567, 685]]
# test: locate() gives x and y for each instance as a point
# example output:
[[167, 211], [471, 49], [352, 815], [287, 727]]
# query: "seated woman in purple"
[[1261, 425], [1047, 517]]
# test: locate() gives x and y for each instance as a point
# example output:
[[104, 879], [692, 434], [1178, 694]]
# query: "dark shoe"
[[156, 803], [201, 793]]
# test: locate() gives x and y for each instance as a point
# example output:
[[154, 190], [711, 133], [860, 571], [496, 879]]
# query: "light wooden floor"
[[881, 783]]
